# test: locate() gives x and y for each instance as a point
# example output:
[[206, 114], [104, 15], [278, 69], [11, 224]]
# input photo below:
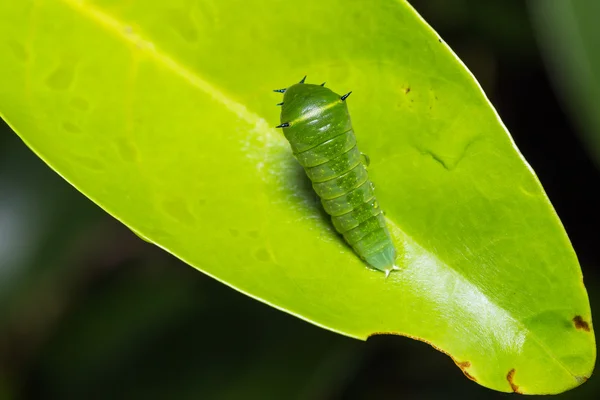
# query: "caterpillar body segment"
[[316, 123]]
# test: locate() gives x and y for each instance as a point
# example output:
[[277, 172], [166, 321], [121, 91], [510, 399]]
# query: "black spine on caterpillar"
[[316, 122]]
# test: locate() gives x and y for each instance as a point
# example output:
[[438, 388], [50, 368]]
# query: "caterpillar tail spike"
[[280, 90], [323, 84], [280, 104], [389, 270], [344, 97], [284, 125], [303, 79]]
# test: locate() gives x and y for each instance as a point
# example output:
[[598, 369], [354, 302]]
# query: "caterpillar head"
[[310, 112], [302, 100]]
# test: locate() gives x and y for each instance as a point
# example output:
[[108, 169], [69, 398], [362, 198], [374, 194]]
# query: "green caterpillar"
[[316, 122]]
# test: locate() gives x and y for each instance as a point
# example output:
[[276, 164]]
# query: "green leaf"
[[569, 34], [163, 114]]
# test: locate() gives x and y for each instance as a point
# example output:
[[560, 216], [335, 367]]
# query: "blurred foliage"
[[89, 310], [569, 35]]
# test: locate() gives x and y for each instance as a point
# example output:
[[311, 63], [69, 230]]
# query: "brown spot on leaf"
[[580, 323], [463, 365], [509, 378], [407, 90]]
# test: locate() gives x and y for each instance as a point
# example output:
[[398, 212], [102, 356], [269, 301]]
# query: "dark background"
[[88, 310]]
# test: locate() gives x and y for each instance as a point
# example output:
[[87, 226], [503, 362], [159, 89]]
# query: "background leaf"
[[570, 36], [150, 115]]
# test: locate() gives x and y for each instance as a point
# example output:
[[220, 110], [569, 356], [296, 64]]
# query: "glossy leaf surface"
[[164, 115]]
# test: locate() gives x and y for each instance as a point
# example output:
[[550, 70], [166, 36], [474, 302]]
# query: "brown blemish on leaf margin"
[[580, 323], [463, 365], [509, 377]]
